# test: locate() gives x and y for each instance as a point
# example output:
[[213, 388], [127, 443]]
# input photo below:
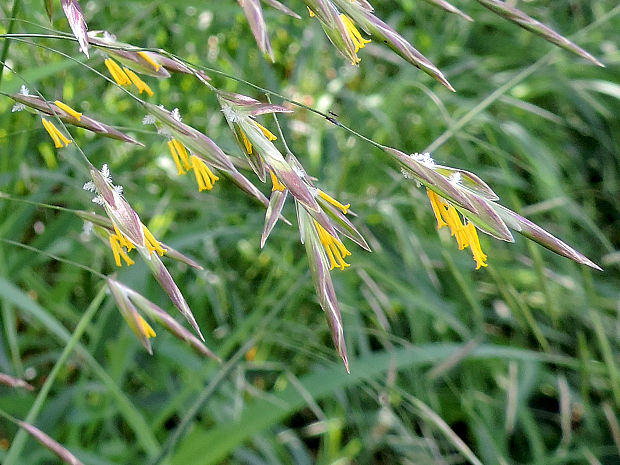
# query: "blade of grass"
[[608, 356], [500, 91], [7, 43], [261, 415], [20, 439], [134, 418]]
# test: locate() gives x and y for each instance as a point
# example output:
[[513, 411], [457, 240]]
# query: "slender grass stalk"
[[20, 439], [221, 374], [52, 256], [7, 43], [520, 76]]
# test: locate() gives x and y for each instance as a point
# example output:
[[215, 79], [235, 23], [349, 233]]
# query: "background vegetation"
[[516, 363]]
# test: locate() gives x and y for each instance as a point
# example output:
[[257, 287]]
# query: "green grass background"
[[515, 364]]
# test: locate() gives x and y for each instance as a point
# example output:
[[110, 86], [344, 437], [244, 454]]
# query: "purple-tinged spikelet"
[[74, 15]]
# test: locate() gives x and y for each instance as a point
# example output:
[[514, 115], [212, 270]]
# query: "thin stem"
[[204, 396], [20, 439], [192, 66], [4, 196], [7, 44], [280, 133], [450, 132], [9, 417], [52, 256], [223, 373]]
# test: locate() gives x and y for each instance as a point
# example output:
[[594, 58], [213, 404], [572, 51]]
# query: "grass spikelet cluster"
[[243, 234]]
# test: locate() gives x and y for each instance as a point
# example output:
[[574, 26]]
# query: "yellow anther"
[[67, 109], [179, 155], [312, 15], [150, 60], [180, 148], [334, 202], [204, 176], [58, 137], [117, 73], [354, 34], [335, 249], [118, 251], [122, 240], [247, 143], [474, 244], [456, 227], [175, 157], [276, 184], [465, 234], [139, 83], [145, 328], [437, 207], [268, 134], [151, 243]]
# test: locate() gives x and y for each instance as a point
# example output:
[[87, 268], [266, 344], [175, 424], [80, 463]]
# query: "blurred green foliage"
[[516, 363]]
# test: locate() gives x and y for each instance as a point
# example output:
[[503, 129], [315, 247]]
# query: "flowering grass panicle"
[[130, 303], [103, 228], [68, 115], [131, 233], [456, 194]]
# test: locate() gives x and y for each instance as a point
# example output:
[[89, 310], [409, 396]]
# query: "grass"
[[517, 363]]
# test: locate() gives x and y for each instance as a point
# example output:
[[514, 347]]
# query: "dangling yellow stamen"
[[437, 207], [175, 157], [63, 106], [465, 234], [204, 176], [139, 83], [336, 251], [277, 185], [123, 241], [312, 15], [116, 243], [117, 73], [180, 148], [268, 134], [247, 143], [145, 328], [149, 60], [58, 137], [151, 243], [334, 202], [456, 227], [179, 155], [354, 34], [474, 243]]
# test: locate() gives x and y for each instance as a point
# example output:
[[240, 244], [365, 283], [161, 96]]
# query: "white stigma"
[[89, 186], [108, 37], [455, 178], [105, 172], [176, 114], [148, 119], [424, 158]]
